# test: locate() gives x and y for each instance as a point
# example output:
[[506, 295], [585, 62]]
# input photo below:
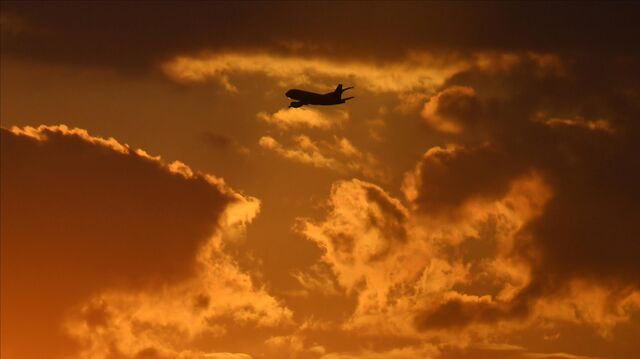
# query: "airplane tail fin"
[[340, 89]]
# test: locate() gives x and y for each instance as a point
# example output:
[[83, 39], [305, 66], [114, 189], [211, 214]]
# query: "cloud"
[[364, 225], [341, 155], [219, 141], [305, 151], [447, 177], [408, 269], [289, 345], [318, 280], [578, 121], [215, 302], [444, 108], [304, 117], [115, 238], [413, 77], [537, 122], [418, 71], [460, 311], [418, 271], [376, 129]]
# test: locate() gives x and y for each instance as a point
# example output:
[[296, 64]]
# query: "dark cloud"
[[449, 176], [588, 229], [80, 215], [443, 110], [135, 35], [456, 313], [223, 143], [216, 140]]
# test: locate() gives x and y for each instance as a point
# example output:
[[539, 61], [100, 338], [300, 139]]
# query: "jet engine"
[[296, 104]]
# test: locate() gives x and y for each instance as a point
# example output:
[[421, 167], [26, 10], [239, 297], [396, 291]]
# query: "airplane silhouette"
[[312, 98]]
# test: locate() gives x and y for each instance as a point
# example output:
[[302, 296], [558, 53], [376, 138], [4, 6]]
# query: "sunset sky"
[[478, 198]]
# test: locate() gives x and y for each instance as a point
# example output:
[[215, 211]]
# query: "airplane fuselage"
[[311, 98]]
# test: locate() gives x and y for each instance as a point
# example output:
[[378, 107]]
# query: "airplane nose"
[[288, 93]]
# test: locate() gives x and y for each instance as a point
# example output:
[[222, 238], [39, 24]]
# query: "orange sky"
[[477, 199]]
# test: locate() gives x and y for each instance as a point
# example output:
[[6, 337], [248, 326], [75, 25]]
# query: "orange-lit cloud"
[[340, 155], [419, 71], [396, 259], [305, 151], [304, 117], [578, 121]]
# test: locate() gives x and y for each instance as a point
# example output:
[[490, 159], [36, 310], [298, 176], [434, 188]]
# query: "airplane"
[[312, 98]]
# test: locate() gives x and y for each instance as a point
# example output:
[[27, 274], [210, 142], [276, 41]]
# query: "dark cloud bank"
[[547, 123], [80, 217], [135, 35]]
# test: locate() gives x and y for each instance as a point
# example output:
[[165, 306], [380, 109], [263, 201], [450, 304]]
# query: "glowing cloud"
[[304, 117], [340, 155], [419, 71]]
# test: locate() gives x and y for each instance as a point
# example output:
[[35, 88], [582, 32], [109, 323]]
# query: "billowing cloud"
[[582, 156], [432, 186], [408, 269], [106, 245]]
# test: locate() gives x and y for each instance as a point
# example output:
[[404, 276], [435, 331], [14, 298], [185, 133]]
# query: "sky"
[[478, 198]]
